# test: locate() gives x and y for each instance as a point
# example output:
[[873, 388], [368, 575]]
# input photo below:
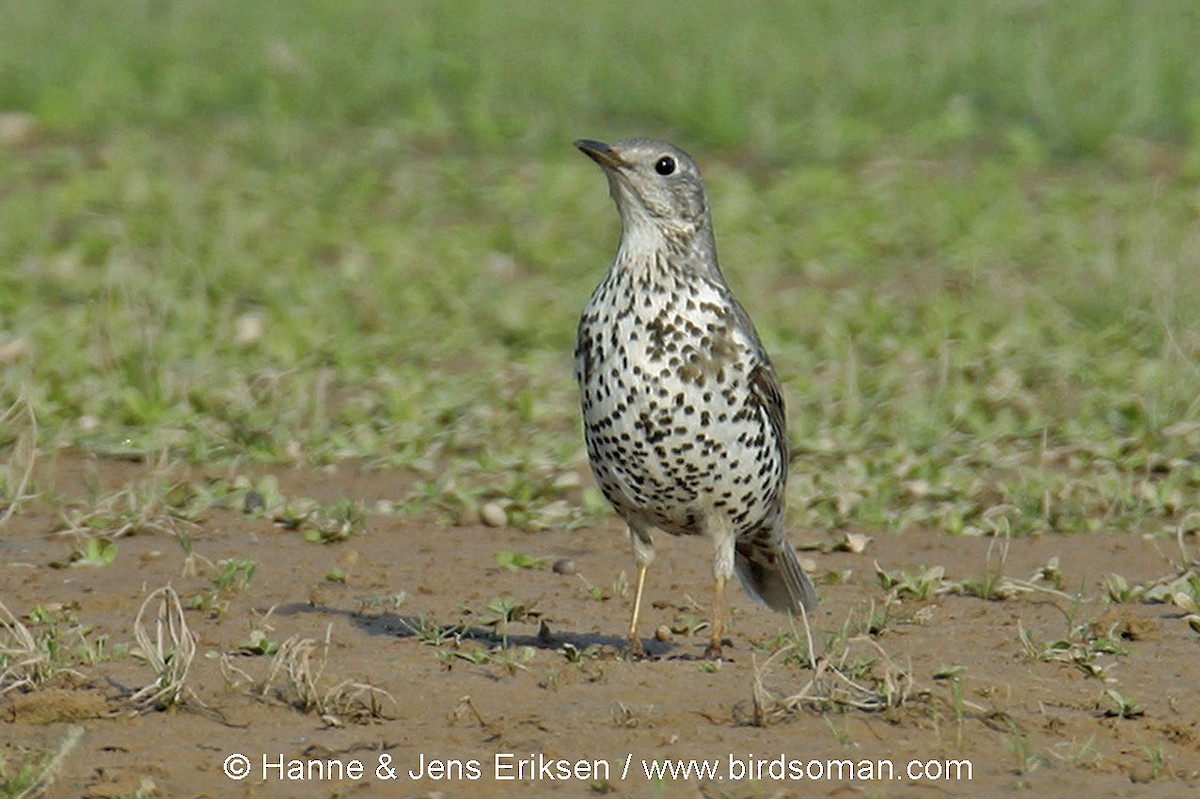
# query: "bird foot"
[[635, 650]]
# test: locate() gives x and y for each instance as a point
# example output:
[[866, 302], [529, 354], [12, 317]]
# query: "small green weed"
[[1122, 706], [515, 560], [1118, 590], [428, 630], [390, 603], [96, 552], [259, 643], [504, 611], [509, 659], [955, 675], [1081, 648], [234, 574], [336, 522], [1081, 754], [926, 583], [1157, 760]]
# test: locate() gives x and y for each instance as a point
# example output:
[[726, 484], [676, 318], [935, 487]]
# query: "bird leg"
[[718, 623], [635, 644]]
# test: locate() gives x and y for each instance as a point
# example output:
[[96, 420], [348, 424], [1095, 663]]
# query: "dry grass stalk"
[[831, 684], [50, 770], [170, 652], [25, 663], [302, 662], [19, 654], [24, 454], [355, 700], [142, 506]]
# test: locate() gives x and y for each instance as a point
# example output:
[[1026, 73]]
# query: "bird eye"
[[665, 165]]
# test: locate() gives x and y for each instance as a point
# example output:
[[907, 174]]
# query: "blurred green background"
[[311, 232]]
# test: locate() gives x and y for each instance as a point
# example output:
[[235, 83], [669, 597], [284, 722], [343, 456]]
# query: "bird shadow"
[[426, 630]]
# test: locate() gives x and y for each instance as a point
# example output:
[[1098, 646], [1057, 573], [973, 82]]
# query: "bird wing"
[[765, 390], [766, 394]]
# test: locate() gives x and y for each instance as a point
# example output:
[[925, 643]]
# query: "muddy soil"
[[400, 663]]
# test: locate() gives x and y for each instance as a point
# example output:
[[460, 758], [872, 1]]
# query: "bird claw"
[[635, 651]]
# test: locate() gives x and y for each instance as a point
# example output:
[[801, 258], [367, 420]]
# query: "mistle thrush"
[[682, 411]]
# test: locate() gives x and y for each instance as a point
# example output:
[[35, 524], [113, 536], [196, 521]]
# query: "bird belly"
[[672, 434]]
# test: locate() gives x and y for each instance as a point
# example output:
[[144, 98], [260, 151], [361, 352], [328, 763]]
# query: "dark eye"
[[665, 165]]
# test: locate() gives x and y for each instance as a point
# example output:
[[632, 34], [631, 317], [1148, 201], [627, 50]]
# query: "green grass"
[[795, 78], [309, 233]]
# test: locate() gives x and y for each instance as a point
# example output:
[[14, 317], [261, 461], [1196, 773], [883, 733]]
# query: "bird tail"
[[771, 573]]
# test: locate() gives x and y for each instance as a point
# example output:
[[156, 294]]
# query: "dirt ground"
[[961, 682]]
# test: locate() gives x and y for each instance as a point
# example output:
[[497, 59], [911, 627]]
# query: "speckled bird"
[[682, 411]]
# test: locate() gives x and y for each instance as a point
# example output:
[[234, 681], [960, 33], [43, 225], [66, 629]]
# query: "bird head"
[[656, 187]]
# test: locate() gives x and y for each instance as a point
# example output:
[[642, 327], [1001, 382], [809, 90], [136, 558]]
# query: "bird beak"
[[602, 154]]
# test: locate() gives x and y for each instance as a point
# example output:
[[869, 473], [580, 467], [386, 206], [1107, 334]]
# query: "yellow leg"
[[718, 623], [635, 644]]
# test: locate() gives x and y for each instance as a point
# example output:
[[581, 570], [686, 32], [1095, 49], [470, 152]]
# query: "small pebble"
[[563, 566], [855, 543], [13, 351], [254, 502], [918, 489], [663, 633], [17, 127], [1141, 773], [567, 480], [493, 515], [248, 329]]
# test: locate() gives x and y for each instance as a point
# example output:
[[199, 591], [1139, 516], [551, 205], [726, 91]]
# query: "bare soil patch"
[[1050, 689]]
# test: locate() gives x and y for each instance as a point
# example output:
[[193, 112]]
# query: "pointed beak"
[[602, 154]]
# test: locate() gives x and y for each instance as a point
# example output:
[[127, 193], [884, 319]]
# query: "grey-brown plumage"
[[682, 412]]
